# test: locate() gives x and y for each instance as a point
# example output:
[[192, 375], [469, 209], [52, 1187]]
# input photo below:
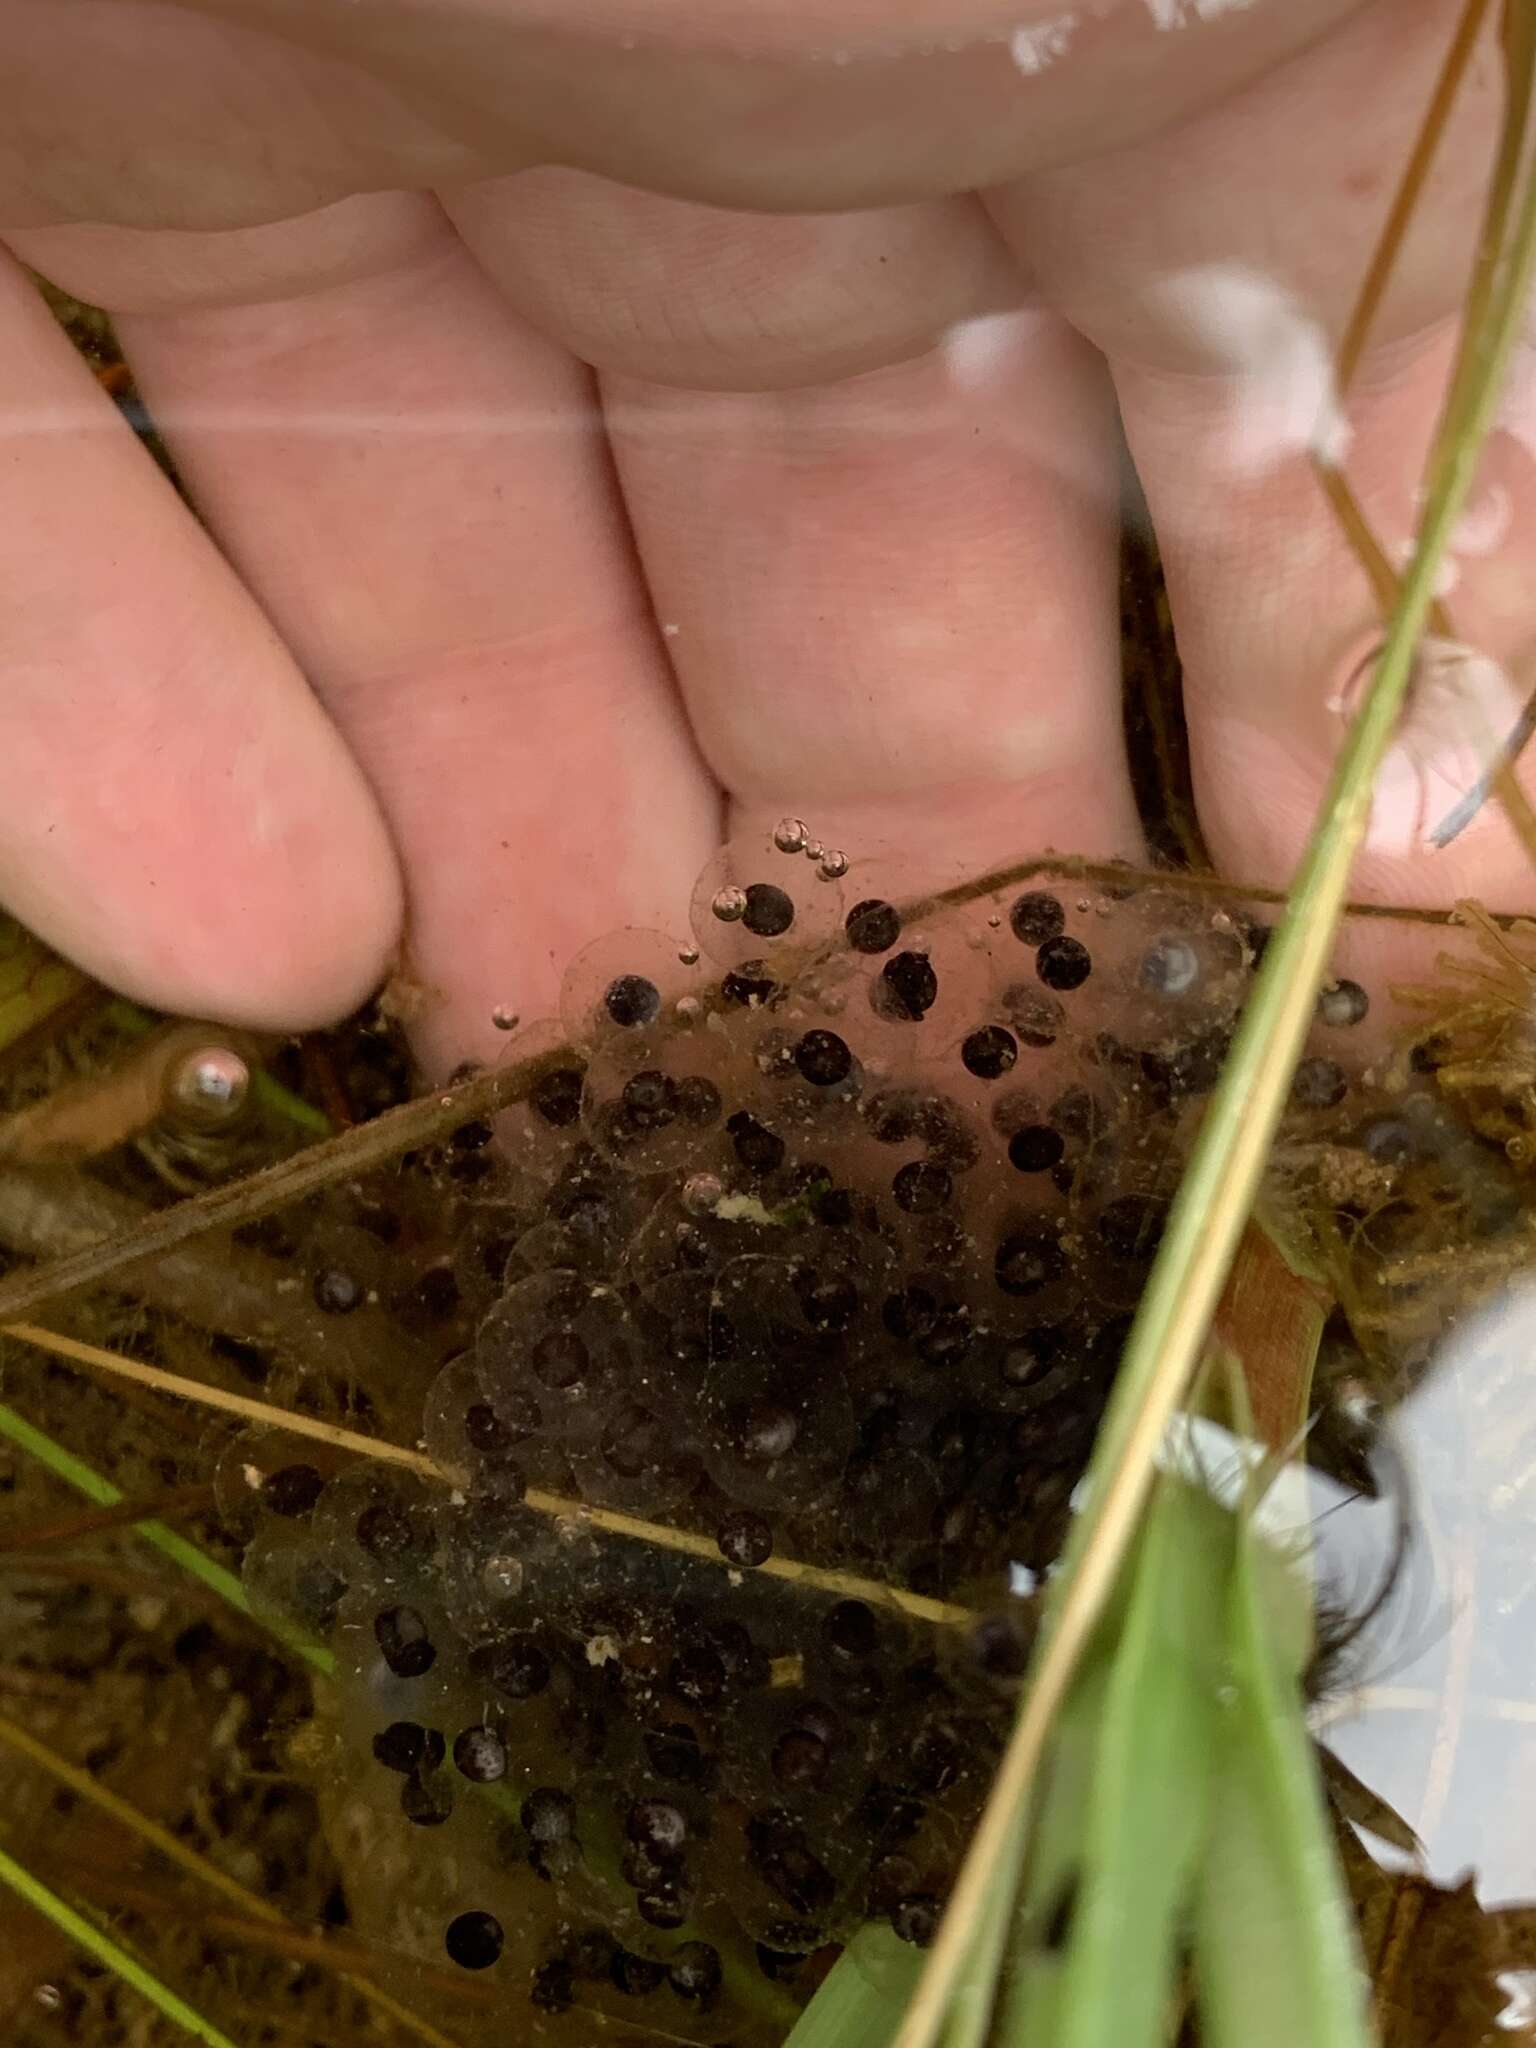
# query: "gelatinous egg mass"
[[775, 1330]]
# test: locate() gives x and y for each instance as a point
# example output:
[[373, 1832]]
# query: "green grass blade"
[[1031, 2004], [179, 1549], [1151, 1793], [84, 1934], [971, 2016], [1228, 1157], [865, 1993], [1140, 1782], [1276, 1961], [34, 983]]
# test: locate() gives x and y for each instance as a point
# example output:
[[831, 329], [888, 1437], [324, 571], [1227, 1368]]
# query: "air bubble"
[[729, 904], [833, 866], [789, 835]]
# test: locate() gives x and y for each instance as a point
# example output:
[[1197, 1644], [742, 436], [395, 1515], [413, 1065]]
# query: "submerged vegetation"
[[690, 1534]]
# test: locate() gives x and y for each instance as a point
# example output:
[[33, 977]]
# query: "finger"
[[710, 298], [806, 105], [887, 594], [1221, 305], [417, 489], [890, 600], [169, 790], [145, 115]]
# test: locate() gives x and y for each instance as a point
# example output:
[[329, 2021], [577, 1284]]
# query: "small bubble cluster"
[[815, 1238]]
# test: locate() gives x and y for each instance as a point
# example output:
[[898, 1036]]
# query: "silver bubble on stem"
[[209, 1086]]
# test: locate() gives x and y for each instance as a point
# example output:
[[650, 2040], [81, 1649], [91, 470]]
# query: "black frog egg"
[[990, 1052], [1063, 964], [922, 1186], [556, 1096], [406, 1747], [694, 1971], [872, 926], [1036, 1017], [632, 1000], [1037, 917], [426, 1802], [292, 1490], [823, 1058], [548, 1815], [658, 1828], [745, 1539], [474, 1940], [1341, 1004], [1027, 1261], [404, 1642], [337, 1292], [905, 989], [1036, 1148], [480, 1754], [768, 911], [916, 1918]]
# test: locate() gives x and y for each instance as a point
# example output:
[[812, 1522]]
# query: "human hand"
[[831, 529]]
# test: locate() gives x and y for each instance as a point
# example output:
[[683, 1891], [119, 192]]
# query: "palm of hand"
[[600, 521]]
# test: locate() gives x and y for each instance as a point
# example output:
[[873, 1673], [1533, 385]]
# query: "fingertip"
[[281, 939], [275, 907]]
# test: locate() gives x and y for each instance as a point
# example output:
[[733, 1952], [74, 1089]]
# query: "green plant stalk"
[[1124, 1811], [85, 1934], [853, 2010], [34, 983], [1227, 1160], [1275, 1947], [178, 1548], [1150, 1792]]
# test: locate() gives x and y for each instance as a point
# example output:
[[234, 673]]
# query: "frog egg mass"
[[770, 1346]]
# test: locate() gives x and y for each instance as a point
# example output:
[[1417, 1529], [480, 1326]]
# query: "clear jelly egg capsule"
[[750, 903], [288, 1577], [376, 1525], [563, 1342], [793, 1750], [656, 1118], [776, 1445], [619, 992], [642, 1462]]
